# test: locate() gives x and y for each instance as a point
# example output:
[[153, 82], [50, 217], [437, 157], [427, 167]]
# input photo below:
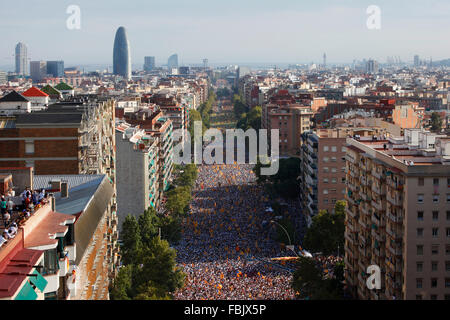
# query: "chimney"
[[51, 196], [55, 184], [64, 189]]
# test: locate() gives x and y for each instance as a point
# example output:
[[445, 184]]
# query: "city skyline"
[[225, 35]]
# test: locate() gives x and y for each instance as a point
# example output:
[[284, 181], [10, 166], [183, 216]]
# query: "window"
[[334, 170], [421, 182], [325, 180], [333, 201], [420, 198], [418, 297], [436, 182], [433, 297], [434, 266], [435, 198], [447, 266], [420, 232], [447, 250], [325, 148], [419, 283], [333, 149], [325, 191], [420, 215], [434, 249], [419, 250], [333, 180], [333, 159], [434, 283], [447, 232], [419, 266], [344, 149], [435, 215], [448, 197], [343, 180], [448, 215], [332, 190], [325, 200], [344, 169], [325, 169], [326, 159], [29, 147], [434, 232], [343, 159], [447, 282]]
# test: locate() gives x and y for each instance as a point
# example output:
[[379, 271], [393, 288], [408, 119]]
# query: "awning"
[[26, 293], [39, 281]]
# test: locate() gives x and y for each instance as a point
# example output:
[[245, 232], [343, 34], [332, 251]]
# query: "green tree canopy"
[[326, 233], [131, 237], [436, 122]]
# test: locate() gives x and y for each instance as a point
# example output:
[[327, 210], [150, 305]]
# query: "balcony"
[[349, 238], [350, 158], [379, 205], [352, 214], [395, 235], [311, 181], [395, 201], [352, 187], [395, 218], [395, 251], [395, 267], [381, 190], [349, 226], [63, 266], [354, 173], [376, 174], [379, 237], [363, 223]]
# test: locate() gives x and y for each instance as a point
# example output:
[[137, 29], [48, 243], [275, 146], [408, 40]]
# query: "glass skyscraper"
[[173, 61], [55, 68], [21, 59], [121, 54]]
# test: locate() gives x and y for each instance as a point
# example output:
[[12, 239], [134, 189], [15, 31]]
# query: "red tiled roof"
[[16, 270], [34, 92]]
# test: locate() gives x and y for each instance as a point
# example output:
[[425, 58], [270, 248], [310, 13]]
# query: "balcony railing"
[[395, 218], [396, 251], [393, 234], [396, 201]]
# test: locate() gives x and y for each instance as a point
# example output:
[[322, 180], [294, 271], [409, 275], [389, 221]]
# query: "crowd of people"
[[226, 248], [14, 214]]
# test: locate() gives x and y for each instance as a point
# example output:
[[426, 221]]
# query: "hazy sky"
[[226, 31]]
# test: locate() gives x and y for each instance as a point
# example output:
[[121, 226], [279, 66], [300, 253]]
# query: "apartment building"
[[75, 229], [324, 169], [398, 215], [291, 121], [67, 138], [138, 171]]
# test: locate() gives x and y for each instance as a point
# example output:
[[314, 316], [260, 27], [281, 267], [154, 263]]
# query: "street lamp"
[[290, 246]]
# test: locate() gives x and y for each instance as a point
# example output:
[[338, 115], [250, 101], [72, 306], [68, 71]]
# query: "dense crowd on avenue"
[[226, 247]]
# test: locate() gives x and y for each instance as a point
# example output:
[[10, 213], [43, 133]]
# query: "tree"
[[436, 122], [306, 278], [308, 281], [178, 200], [122, 284], [148, 224], [158, 265], [131, 237], [326, 233]]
